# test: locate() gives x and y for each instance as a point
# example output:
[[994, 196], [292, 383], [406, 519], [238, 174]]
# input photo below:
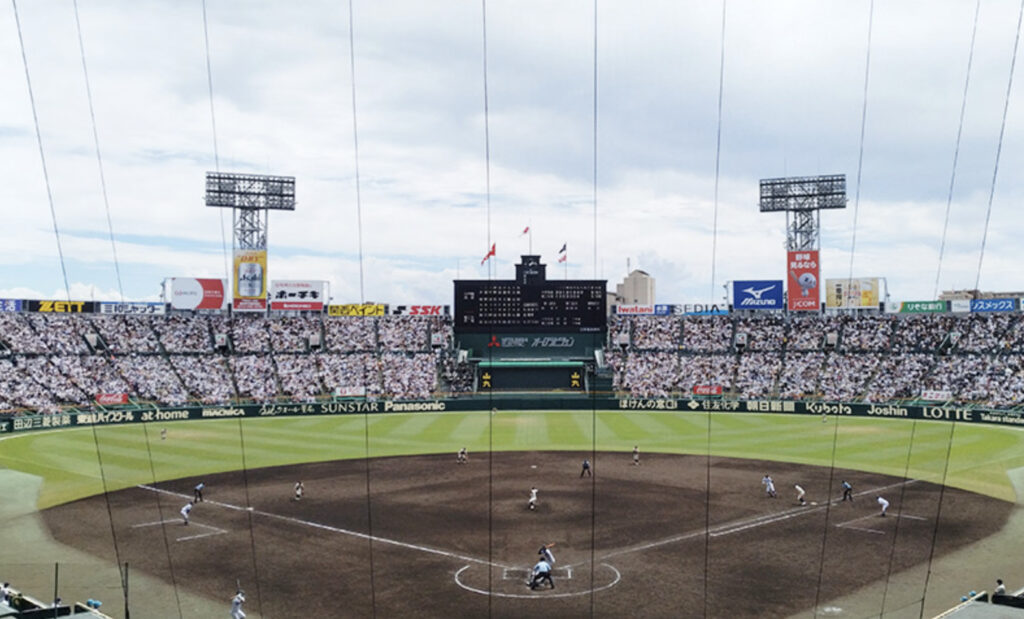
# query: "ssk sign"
[[757, 294], [421, 310]]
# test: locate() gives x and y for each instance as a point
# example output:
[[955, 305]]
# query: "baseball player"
[[884, 504], [462, 457], [1000, 587], [299, 489], [800, 494], [197, 492], [769, 486], [586, 468], [163, 434], [546, 554], [236, 605], [532, 503], [847, 491], [541, 572], [636, 455], [185, 511]]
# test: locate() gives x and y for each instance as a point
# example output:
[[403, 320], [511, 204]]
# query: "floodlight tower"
[[250, 196], [804, 197]]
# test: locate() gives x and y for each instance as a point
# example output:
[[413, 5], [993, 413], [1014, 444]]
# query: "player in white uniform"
[[532, 503], [185, 511], [769, 486], [800, 494], [299, 489], [462, 457], [236, 606], [636, 455], [884, 504]]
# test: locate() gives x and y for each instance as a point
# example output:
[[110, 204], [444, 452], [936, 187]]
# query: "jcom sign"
[[757, 294], [803, 272]]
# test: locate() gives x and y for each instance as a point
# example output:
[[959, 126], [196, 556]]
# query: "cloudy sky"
[[792, 104]]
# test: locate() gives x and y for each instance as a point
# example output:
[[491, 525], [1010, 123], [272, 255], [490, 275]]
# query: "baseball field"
[[391, 524]]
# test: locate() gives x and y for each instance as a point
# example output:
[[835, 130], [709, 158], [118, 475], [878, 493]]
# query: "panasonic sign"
[[757, 294]]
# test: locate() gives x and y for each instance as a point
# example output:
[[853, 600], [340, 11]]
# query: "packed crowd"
[[48, 361]]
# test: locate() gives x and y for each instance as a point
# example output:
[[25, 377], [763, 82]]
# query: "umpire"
[[541, 573]]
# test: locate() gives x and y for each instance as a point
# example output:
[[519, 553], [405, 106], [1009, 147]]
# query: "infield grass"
[[80, 462]]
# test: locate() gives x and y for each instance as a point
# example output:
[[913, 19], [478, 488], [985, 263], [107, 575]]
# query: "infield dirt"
[[677, 536]]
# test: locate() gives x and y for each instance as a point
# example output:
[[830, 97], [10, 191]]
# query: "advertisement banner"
[[111, 398], [62, 307], [992, 305], [803, 272], [708, 389], [350, 392], [10, 305], [757, 294], [922, 307], [156, 309], [421, 310], [855, 293], [355, 309], [938, 395], [189, 293], [960, 305], [663, 310], [297, 294], [634, 310], [250, 291]]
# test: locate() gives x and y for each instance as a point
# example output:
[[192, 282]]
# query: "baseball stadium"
[[318, 424]]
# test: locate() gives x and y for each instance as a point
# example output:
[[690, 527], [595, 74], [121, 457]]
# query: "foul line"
[[326, 527]]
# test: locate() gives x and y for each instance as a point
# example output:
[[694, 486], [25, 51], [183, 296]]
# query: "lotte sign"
[[802, 272]]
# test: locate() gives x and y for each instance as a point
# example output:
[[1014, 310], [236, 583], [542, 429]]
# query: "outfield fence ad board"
[[524, 403]]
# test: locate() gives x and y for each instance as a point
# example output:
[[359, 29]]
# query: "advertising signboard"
[[992, 305], [708, 389], [758, 294], [250, 290], [960, 305], [855, 293], [10, 305], [189, 293], [157, 309], [421, 310], [634, 310], [356, 309], [297, 294], [803, 275], [61, 307], [922, 307]]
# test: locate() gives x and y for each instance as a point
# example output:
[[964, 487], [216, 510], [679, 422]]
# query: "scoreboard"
[[546, 306]]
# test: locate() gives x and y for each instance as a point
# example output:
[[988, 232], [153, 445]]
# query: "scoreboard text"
[[576, 306]]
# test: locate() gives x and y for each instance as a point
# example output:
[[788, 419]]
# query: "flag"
[[562, 251], [526, 231], [490, 253], [563, 257]]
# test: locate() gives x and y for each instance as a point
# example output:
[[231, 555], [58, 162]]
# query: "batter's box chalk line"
[[519, 575]]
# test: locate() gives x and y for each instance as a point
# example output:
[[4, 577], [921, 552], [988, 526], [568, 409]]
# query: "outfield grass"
[[76, 463]]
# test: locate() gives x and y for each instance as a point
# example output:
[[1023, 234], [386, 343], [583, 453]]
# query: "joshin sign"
[[803, 276]]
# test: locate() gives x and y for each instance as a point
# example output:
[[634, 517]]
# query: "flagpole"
[[530, 240]]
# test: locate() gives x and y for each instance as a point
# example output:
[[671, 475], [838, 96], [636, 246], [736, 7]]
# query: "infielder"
[[636, 455], [462, 457], [769, 486], [197, 492], [532, 503], [586, 468], [236, 605], [541, 572], [185, 511], [299, 489], [546, 554], [800, 494], [847, 491], [884, 504]]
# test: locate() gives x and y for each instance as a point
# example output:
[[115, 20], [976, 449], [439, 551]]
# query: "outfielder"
[[236, 605], [185, 511], [884, 504], [532, 503]]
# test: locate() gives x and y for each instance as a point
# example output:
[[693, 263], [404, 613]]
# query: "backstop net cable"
[[860, 150], [938, 514], [899, 510], [163, 522], [593, 400]]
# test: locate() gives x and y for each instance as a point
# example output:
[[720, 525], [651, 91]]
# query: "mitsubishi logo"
[[494, 343]]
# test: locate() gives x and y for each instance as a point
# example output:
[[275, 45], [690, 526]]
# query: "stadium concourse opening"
[[532, 333]]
